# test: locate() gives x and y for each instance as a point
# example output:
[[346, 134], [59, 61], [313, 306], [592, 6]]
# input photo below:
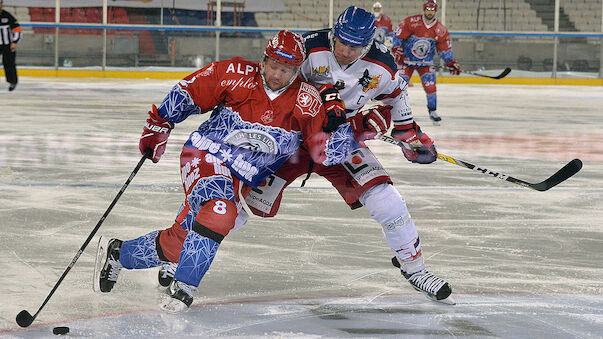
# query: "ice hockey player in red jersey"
[[260, 114], [347, 58], [383, 24], [417, 39]]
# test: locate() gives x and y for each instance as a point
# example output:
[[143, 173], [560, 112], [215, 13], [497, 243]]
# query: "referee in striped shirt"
[[10, 34]]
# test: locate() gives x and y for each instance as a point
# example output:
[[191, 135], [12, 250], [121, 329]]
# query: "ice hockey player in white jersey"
[[362, 71]]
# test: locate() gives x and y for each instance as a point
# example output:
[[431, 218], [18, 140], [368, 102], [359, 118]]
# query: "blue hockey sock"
[[432, 101], [140, 252], [196, 256]]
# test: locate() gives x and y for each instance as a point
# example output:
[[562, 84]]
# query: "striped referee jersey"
[[10, 30]]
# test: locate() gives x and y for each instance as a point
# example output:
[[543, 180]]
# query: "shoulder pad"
[[317, 39], [380, 55]]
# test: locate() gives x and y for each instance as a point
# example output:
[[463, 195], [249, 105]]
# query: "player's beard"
[[429, 17]]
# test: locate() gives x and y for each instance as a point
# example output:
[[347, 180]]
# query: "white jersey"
[[372, 77]]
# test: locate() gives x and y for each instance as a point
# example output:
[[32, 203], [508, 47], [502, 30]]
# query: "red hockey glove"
[[155, 134], [453, 67], [333, 105], [424, 150], [372, 122], [398, 53]]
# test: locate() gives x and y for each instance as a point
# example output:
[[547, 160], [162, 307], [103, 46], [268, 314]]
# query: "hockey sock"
[[197, 254], [140, 252]]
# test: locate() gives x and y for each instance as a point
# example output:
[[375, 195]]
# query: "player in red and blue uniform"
[[416, 41], [261, 113], [383, 24]]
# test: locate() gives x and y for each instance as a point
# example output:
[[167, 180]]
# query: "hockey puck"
[[60, 330]]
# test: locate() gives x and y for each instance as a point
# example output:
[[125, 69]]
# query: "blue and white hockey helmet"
[[355, 26]]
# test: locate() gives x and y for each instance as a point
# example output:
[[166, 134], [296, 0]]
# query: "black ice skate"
[[435, 288], [179, 297], [166, 274], [433, 115], [107, 265]]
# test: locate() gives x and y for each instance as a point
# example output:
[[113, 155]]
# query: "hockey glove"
[[424, 151], [372, 122], [453, 67], [334, 107], [398, 53], [155, 134]]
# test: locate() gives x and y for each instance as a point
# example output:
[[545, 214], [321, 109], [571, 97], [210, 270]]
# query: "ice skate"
[[179, 297], [107, 265], [435, 118], [434, 287], [166, 274]]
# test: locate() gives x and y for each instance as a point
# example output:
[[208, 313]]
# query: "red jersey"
[[385, 22], [421, 41], [251, 127]]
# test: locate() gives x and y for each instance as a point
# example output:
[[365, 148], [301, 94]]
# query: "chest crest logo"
[[267, 117], [368, 81]]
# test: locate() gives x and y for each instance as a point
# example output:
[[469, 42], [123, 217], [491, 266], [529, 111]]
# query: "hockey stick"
[[500, 76], [503, 74], [24, 318], [560, 176]]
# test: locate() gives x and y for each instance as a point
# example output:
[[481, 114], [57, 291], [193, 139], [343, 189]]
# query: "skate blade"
[[448, 301], [435, 123], [101, 252], [172, 306]]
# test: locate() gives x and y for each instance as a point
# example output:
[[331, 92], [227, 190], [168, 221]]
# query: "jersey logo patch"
[[254, 140], [421, 48], [322, 70], [267, 117], [368, 81], [308, 101]]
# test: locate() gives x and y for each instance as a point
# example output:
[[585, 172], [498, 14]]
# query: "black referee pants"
[[10, 67]]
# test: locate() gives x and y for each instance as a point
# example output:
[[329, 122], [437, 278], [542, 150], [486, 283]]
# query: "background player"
[[363, 70], [263, 112], [383, 25], [416, 41]]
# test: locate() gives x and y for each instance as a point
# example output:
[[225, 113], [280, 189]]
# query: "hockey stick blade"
[[560, 176], [504, 73]]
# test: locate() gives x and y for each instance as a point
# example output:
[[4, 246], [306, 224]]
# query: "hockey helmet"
[[355, 27], [286, 48], [430, 4]]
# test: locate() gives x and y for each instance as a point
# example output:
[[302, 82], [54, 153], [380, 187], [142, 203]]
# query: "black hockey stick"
[[560, 176], [503, 74], [500, 76], [24, 318]]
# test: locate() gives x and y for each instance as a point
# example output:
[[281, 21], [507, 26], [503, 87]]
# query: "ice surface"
[[522, 264]]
